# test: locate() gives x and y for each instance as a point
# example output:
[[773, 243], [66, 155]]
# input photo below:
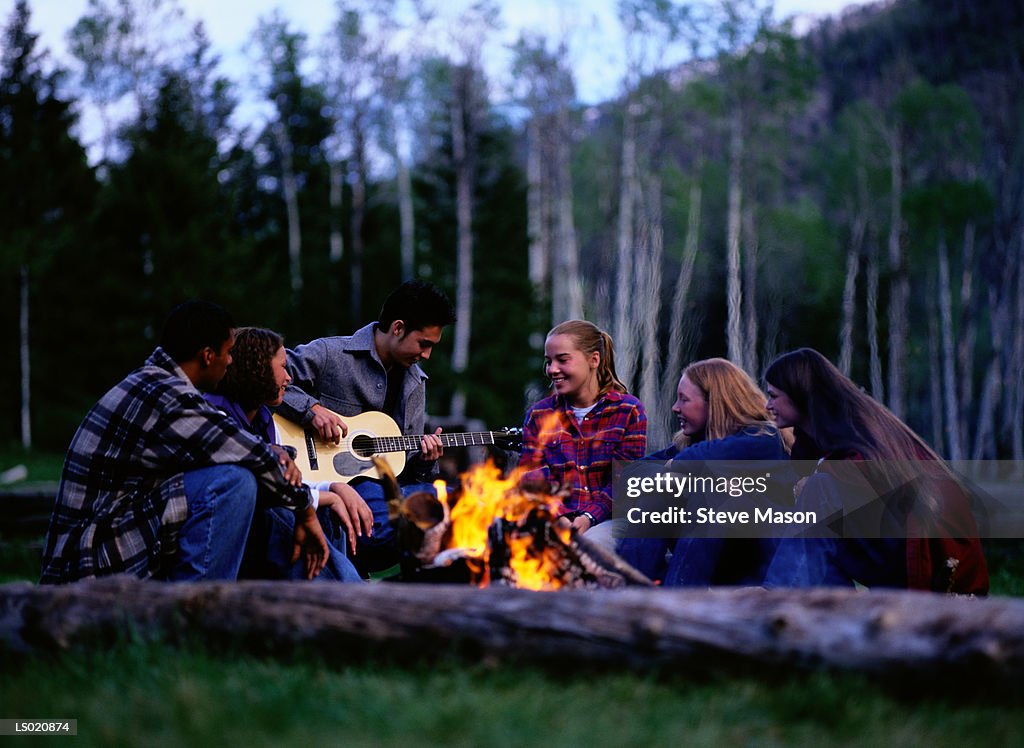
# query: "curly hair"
[[249, 380]]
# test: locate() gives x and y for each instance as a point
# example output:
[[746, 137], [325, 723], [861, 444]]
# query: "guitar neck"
[[410, 443]]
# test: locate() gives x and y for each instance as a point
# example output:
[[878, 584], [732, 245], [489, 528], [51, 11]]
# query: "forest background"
[[858, 188]]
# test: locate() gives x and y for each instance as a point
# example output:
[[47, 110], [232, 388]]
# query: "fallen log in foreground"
[[892, 633]]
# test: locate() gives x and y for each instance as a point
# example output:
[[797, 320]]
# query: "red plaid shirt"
[[579, 455]]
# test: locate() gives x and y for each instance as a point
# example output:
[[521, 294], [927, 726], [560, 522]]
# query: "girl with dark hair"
[[721, 417], [573, 436], [928, 536], [255, 382]]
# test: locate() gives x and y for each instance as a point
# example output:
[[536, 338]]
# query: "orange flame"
[[487, 496]]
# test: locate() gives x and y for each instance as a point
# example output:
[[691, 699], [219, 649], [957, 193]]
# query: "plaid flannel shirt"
[[121, 500], [578, 455]]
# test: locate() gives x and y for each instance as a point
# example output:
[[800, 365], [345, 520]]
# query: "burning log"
[[505, 532], [924, 636]]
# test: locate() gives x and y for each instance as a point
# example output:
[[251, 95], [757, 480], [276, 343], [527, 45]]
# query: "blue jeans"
[[380, 551], [700, 562], [838, 562], [221, 502], [280, 542]]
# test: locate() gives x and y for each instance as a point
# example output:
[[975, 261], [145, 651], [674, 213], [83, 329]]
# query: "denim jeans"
[[700, 562], [838, 562], [221, 502], [280, 542]]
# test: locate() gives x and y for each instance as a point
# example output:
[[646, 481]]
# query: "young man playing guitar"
[[374, 369]]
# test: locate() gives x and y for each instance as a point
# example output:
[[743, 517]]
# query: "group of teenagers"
[[177, 473]]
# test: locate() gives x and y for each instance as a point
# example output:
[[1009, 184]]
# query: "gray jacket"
[[346, 375]]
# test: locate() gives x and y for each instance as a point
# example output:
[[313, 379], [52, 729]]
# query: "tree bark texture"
[[623, 331], [951, 396], [461, 111], [647, 305], [406, 216], [337, 239], [358, 216], [567, 287], [919, 635], [899, 294], [734, 290], [24, 351], [290, 187], [877, 386]]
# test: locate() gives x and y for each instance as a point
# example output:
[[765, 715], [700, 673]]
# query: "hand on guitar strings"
[[430, 446], [352, 510], [329, 425]]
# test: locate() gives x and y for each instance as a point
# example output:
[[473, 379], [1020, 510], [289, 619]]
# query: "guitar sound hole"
[[362, 445]]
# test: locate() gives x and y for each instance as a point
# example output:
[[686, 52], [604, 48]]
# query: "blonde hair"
[[590, 338], [735, 402]]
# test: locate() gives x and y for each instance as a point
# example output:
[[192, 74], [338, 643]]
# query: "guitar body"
[[323, 461]]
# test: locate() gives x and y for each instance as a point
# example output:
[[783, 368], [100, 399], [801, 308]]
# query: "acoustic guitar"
[[371, 433]]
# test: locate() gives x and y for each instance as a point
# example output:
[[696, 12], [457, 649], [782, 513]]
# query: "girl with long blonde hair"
[[722, 416]]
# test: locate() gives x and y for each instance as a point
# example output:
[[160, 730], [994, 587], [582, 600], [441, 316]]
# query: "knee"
[[236, 485]]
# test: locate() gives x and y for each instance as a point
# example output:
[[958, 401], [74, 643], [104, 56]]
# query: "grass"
[[41, 466], [152, 695]]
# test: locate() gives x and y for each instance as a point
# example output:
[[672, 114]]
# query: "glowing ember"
[[487, 497]]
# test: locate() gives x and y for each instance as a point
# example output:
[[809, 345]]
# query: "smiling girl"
[[573, 436], [721, 416], [254, 383]]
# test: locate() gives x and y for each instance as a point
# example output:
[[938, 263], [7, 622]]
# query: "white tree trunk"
[[853, 254], [648, 307], [967, 337], [24, 351], [567, 287], [875, 363], [734, 290], [677, 321], [950, 398], [290, 187], [406, 217], [750, 321], [1017, 362], [935, 382], [337, 250], [624, 330], [537, 228], [464, 222], [899, 294], [358, 217]]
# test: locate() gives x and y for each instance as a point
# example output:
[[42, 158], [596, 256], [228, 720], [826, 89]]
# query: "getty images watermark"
[[834, 498]]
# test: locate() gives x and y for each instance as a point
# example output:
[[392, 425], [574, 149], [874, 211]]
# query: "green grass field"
[[151, 695]]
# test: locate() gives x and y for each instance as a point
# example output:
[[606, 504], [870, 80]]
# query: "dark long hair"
[[249, 380], [843, 417]]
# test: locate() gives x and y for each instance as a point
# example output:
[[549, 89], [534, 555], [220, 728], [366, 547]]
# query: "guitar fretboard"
[[376, 445]]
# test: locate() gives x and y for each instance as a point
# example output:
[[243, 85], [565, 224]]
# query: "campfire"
[[503, 530]]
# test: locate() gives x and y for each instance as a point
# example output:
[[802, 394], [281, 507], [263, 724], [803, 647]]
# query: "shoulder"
[[548, 403], [622, 405], [750, 443], [543, 407]]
